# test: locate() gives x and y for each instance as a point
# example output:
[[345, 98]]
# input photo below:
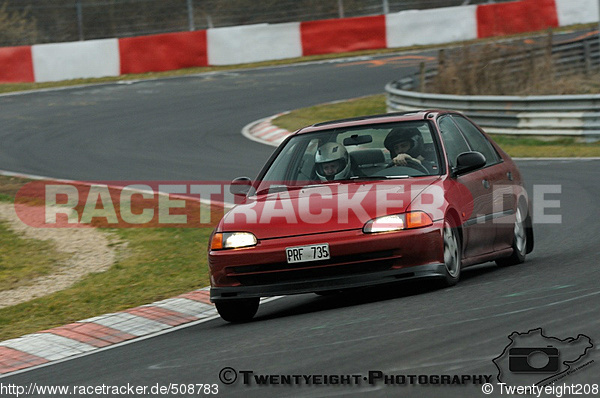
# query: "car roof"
[[373, 119]]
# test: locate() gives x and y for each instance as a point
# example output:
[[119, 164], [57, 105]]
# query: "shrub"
[[508, 69], [17, 28]]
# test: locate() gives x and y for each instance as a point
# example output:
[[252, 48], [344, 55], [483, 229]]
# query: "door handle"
[[486, 184]]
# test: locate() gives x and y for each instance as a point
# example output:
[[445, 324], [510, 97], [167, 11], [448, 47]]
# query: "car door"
[[478, 228], [500, 180]]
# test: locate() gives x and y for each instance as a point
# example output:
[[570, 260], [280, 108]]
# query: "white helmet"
[[332, 154]]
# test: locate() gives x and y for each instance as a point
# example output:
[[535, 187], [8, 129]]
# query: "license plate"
[[301, 254]]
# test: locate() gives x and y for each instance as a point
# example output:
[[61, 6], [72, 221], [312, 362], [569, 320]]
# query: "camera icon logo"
[[533, 360]]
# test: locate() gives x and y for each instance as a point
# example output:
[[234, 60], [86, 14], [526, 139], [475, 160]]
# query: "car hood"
[[322, 208]]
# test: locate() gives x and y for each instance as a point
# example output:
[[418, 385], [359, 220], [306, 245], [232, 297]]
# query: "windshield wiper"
[[378, 177], [273, 189], [282, 188]]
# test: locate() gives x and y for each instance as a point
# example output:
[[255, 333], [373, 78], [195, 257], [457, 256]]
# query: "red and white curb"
[[102, 331], [265, 132]]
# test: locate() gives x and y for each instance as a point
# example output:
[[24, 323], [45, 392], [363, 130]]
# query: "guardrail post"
[[190, 10], [79, 19], [587, 57], [341, 8], [422, 77], [549, 44]]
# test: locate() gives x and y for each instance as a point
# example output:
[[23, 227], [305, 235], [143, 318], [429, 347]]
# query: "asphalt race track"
[[173, 129], [189, 128]]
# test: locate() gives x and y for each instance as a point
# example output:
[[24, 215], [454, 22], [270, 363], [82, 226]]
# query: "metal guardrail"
[[571, 115], [575, 115], [570, 58], [582, 56]]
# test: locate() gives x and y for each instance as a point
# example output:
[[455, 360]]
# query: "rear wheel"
[[519, 244], [452, 254], [240, 310]]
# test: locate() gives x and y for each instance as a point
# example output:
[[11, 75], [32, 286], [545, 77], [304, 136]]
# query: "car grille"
[[265, 274]]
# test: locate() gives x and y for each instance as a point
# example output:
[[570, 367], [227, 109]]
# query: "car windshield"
[[348, 154]]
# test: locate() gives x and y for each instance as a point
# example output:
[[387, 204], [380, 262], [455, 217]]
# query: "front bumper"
[[326, 284], [357, 260]]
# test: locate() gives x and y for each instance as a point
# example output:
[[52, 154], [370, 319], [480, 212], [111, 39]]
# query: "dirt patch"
[[89, 251]]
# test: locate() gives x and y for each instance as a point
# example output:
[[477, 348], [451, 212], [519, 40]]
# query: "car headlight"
[[397, 222], [232, 240], [394, 222]]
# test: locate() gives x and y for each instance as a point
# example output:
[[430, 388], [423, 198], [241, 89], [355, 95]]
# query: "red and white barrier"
[[253, 43], [265, 42], [572, 12], [442, 25], [515, 17], [343, 35], [82, 59], [16, 64], [163, 52]]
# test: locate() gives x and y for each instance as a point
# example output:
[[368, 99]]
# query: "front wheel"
[[239, 310], [452, 254]]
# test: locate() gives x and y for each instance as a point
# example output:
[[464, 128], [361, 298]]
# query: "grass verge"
[[516, 146], [22, 260], [156, 263], [160, 263]]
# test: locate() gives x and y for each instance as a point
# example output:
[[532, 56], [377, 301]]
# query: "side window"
[[295, 162], [279, 170], [453, 139], [477, 141]]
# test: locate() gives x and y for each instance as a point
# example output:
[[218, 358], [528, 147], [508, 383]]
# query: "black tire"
[[237, 311], [519, 244], [452, 254]]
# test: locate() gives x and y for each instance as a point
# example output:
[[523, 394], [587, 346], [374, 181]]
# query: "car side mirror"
[[240, 186], [469, 161]]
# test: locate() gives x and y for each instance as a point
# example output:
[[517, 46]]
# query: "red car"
[[366, 201]]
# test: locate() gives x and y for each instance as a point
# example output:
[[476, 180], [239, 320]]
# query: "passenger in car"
[[332, 162]]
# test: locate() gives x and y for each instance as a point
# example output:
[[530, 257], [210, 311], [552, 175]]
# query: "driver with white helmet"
[[332, 162]]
